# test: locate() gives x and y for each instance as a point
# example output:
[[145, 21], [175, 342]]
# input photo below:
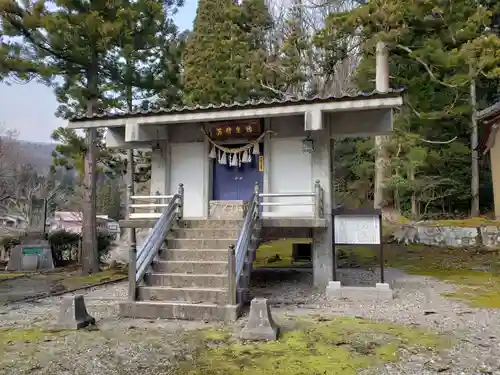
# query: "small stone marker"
[[260, 326], [73, 314], [33, 256]]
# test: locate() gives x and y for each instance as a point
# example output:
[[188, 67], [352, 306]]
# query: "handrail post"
[[231, 276], [132, 285], [256, 191], [158, 201], [317, 199], [180, 203]]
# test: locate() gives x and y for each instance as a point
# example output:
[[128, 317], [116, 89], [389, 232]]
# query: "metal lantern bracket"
[[352, 234]]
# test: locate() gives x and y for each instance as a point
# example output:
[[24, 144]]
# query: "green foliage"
[[64, 246], [8, 242], [436, 49], [224, 59]]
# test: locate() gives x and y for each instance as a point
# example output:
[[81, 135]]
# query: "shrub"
[[64, 246], [104, 240], [9, 241]]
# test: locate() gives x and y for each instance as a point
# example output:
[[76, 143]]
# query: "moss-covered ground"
[[320, 345], [10, 275], [475, 273], [277, 253]]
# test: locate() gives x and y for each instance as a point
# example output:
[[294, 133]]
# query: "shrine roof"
[[250, 104]]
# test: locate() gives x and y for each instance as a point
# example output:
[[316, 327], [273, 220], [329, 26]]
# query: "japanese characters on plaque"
[[236, 129]]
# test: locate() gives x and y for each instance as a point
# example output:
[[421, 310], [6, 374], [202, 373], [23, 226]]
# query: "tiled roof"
[[242, 105], [490, 111]]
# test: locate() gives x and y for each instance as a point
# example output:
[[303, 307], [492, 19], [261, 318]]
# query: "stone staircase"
[[189, 277]]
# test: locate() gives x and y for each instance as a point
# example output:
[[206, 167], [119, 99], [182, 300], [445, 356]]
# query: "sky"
[[30, 107]]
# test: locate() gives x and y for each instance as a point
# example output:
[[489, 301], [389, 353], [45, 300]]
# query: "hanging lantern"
[[307, 145]]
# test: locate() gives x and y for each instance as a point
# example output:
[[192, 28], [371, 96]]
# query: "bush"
[[104, 240], [9, 241], [65, 246]]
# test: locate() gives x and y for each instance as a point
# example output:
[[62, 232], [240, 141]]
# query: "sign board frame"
[[236, 129], [364, 213], [33, 250]]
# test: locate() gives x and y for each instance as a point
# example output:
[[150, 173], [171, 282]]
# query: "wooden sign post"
[[357, 227]]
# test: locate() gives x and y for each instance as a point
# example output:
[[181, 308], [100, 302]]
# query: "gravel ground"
[[417, 301], [149, 347]]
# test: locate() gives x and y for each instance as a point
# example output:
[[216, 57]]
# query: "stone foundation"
[[226, 210], [447, 236], [381, 292]]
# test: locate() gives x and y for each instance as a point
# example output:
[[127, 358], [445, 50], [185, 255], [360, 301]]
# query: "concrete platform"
[[381, 292]]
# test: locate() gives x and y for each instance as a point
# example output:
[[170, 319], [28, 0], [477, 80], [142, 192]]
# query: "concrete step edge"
[[179, 303], [188, 274], [184, 249], [187, 289], [169, 238], [217, 262]]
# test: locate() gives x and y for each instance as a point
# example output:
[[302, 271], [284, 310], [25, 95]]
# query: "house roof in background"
[[490, 118], [261, 103], [491, 111]]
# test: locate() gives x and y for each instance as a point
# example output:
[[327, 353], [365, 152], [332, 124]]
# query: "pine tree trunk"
[[381, 159], [90, 254], [414, 204], [381, 162], [474, 211]]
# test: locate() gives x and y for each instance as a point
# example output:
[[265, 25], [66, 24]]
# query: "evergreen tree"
[[225, 58], [76, 40]]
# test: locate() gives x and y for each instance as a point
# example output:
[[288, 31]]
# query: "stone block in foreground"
[[260, 325], [73, 314], [381, 292]]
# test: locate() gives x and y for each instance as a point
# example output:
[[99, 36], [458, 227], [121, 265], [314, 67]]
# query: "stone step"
[[187, 255], [199, 266], [210, 223], [200, 243], [204, 233], [193, 295], [180, 280], [178, 310]]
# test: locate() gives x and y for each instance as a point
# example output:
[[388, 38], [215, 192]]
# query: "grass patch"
[[475, 273], [9, 337], [9, 275], [73, 279], [277, 253], [473, 222], [332, 346]]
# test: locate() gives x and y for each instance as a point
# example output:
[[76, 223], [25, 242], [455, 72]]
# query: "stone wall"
[[448, 236]]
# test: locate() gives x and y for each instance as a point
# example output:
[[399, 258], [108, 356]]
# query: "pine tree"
[[224, 60], [72, 39], [437, 50]]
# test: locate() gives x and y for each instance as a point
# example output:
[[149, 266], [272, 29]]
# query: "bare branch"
[[439, 142]]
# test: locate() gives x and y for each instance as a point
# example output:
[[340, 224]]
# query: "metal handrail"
[[245, 235], [237, 254], [140, 260], [156, 237], [317, 201]]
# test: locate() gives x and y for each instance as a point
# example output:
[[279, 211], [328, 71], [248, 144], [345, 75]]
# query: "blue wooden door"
[[225, 183], [236, 183], [248, 174]]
